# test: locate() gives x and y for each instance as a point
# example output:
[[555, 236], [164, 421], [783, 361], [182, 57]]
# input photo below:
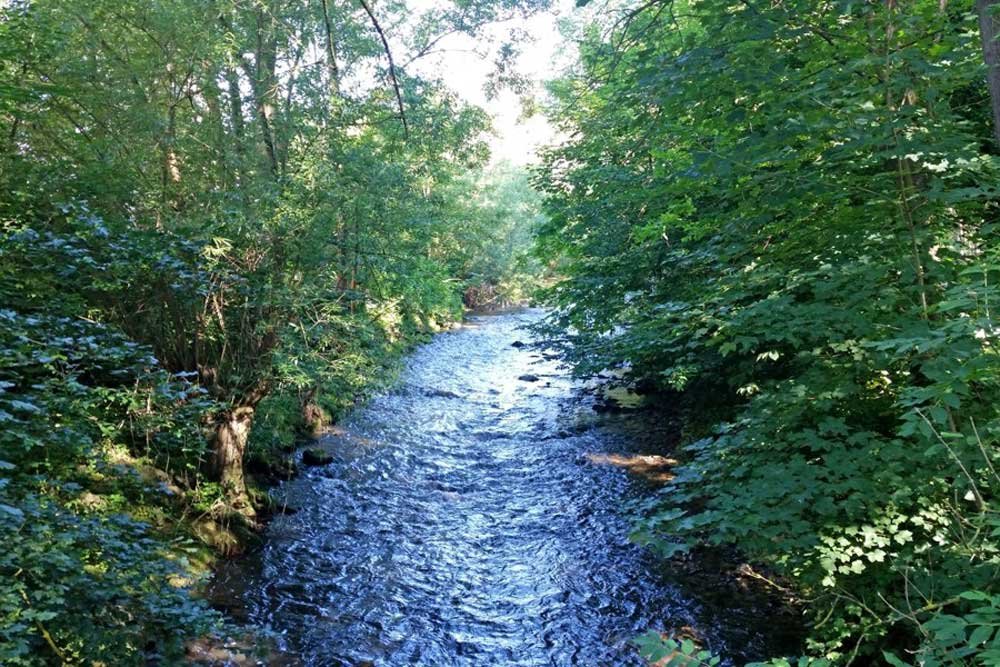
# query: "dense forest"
[[224, 222], [221, 224], [785, 213]]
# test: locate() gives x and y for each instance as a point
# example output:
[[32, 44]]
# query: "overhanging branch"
[[392, 65]]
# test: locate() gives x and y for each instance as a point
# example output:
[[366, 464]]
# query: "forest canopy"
[[786, 214], [220, 224]]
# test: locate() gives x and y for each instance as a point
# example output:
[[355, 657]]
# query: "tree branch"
[[392, 65]]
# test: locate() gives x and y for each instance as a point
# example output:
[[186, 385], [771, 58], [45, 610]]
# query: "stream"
[[478, 514]]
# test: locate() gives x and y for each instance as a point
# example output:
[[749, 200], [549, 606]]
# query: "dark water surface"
[[467, 519]]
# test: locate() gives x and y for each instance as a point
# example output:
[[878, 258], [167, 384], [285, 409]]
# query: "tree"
[[215, 226], [220, 103], [991, 56], [783, 214]]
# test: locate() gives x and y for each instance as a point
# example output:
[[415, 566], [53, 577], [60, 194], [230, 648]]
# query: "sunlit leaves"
[[666, 651], [783, 212]]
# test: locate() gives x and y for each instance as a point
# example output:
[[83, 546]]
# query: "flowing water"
[[472, 517]]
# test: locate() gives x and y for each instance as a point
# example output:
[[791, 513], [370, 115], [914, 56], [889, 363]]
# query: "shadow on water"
[[476, 516]]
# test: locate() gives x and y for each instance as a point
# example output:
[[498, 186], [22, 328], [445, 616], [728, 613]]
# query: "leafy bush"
[[87, 579], [89, 588], [786, 213]]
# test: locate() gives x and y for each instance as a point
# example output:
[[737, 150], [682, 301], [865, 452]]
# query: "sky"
[[543, 56]]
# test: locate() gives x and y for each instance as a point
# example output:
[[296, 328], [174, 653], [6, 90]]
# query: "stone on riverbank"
[[316, 456]]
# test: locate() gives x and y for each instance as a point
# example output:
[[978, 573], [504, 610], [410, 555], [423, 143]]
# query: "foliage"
[[494, 249], [786, 213], [217, 221], [672, 653], [69, 503]]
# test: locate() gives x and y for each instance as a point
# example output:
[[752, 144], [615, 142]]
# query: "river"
[[475, 515]]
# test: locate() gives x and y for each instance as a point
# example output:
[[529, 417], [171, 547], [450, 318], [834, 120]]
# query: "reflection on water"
[[473, 518]]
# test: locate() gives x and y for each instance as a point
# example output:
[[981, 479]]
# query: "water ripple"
[[462, 523]]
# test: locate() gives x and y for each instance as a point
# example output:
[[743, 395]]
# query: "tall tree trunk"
[[169, 162], [333, 70], [231, 434], [236, 120], [989, 27], [265, 83], [15, 117], [222, 177]]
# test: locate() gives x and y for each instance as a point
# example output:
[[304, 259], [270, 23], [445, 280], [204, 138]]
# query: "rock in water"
[[441, 393], [518, 344], [316, 456], [528, 377]]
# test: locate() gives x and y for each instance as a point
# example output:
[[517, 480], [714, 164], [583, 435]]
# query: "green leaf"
[[981, 635], [893, 660]]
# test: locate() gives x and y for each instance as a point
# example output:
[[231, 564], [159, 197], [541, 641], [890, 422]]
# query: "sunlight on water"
[[473, 516]]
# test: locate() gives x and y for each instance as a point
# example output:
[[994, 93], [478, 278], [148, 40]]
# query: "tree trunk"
[[333, 70], [231, 435], [221, 178], [236, 121], [265, 84], [170, 164], [313, 417], [989, 26]]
